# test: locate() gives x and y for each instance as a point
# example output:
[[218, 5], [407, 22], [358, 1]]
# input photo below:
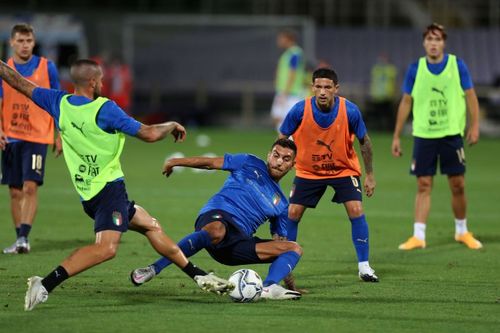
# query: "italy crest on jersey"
[[276, 199]]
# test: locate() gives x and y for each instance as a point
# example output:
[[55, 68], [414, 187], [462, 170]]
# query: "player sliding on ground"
[[92, 130], [225, 226]]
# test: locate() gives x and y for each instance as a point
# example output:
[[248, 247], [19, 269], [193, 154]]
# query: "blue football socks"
[[359, 232], [292, 228], [24, 230], [190, 245], [281, 267]]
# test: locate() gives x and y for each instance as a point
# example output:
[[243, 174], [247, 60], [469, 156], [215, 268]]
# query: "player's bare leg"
[[459, 206], [105, 248], [16, 196], [83, 258], [145, 224]]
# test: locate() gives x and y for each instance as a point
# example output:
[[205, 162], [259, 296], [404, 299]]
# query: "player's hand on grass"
[[396, 148], [370, 184], [178, 132]]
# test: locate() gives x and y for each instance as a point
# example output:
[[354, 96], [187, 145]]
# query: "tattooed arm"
[[16, 80], [367, 153]]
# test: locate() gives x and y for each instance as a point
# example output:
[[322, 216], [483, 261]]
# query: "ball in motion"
[[248, 286]]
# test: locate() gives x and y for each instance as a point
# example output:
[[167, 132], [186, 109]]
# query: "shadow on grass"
[[45, 245]]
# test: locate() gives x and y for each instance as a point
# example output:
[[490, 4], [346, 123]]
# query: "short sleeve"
[[465, 77], [234, 162], [112, 118], [409, 80], [278, 225], [356, 123], [293, 119], [53, 76]]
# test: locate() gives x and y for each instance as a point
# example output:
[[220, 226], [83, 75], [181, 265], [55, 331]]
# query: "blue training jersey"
[[110, 118], [411, 74], [250, 195], [324, 119]]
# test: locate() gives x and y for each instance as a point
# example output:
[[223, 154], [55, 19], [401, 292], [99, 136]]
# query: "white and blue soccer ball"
[[248, 286]]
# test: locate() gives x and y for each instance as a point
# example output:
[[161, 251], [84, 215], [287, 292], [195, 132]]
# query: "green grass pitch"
[[444, 288]]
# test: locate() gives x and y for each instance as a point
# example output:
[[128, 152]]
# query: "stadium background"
[[210, 64]]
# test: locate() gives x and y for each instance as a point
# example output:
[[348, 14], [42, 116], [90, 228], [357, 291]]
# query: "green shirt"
[[283, 72], [92, 155], [439, 107]]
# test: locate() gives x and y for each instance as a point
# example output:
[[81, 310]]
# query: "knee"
[[16, 195], [108, 251], [295, 247], [295, 212], [355, 212], [424, 185], [30, 188], [457, 187], [216, 231]]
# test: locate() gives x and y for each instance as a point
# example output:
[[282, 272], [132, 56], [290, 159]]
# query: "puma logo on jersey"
[[79, 128], [321, 143], [441, 92]]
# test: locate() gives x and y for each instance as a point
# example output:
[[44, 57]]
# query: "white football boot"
[[277, 292], [36, 293], [214, 284], [140, 276]]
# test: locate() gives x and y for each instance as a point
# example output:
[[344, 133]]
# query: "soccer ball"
[[248, 286]]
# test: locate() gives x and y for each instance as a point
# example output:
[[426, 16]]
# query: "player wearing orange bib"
[[25, 132], [324, 128]]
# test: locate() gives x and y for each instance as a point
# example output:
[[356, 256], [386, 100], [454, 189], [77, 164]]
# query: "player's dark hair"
[[22, 28], [285, 143], [325, 73], [434, 28], [79, 70]]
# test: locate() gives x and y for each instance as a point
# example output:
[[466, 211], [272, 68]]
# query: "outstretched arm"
[[16, 80], [153, 133], [208, 163], [367, 153]]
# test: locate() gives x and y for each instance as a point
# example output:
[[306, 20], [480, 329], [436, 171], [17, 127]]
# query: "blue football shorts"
[[449, 151], [236, 248], [110, 208], [308, 192], [22, 161]]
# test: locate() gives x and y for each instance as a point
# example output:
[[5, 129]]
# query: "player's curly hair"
[[285, 143], [435, 28]]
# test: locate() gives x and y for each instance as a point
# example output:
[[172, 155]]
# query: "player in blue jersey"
[[324, 128], [106, 200], [438, 90], [225, 226], [25, 132]]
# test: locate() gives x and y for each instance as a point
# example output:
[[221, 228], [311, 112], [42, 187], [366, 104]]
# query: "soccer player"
[[324, 128], [438, 89], [290, 73], [226, 224], [92, 130], [25, 132]]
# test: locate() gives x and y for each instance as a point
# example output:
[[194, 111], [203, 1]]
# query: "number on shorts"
[[461, 155], [36, 162], [354, 181]]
